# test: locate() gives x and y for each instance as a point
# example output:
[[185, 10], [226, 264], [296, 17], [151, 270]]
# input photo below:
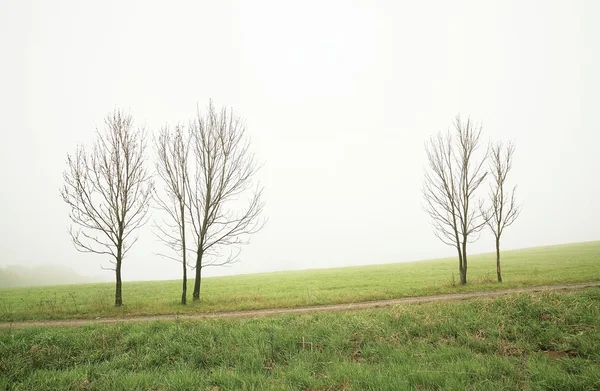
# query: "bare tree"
[[109, 191], [503, 210], [172, 149], [453, 175], [224, 173]]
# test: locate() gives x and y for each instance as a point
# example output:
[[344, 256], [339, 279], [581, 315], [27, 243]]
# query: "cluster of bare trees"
[[211, 203], [457, 167], [208, 193]]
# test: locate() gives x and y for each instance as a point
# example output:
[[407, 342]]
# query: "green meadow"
[[541, 341], [578, 262]]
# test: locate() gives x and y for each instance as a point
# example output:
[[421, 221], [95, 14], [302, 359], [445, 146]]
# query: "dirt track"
[[301, 310]]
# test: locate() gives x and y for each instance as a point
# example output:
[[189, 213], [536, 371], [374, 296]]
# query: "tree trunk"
[[463, 276], [460, 263], [463, 271], [196, 294], [498, 269], [118, 297], [184, 289], [184, 254]]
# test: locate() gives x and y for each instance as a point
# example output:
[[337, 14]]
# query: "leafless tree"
[[172, 150], [504, 209], [109, 192], [224, 173], [454, 173]]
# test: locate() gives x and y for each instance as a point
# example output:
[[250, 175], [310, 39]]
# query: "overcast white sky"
[[339, 97]]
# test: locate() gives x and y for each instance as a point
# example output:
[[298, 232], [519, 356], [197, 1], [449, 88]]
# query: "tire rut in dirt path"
[[300, 310]]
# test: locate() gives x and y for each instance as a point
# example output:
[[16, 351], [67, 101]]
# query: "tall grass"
[[544, 341]]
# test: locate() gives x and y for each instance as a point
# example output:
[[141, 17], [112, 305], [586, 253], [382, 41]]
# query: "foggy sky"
[[339, 98]]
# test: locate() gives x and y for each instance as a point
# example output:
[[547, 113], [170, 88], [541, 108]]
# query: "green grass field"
[[542, 341], [577, 262]]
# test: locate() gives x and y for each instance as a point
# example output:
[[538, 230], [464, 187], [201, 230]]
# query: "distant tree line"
[[212, 203], [43, 274]]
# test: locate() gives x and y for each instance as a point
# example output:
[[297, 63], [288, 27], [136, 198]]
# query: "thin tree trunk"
[[463, 272], [118, 296], [184, 290], [498, 269], [460, 263], [196, 294], [184, 253]]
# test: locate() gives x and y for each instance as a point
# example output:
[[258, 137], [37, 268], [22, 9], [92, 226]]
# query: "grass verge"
[[543, 341]]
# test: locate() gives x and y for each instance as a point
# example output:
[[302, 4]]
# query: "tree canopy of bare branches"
[[172, 150], [503, 209], [453, 175], [108, 190], [224, 201]]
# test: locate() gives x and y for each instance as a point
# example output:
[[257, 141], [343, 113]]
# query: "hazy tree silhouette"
[[503, 209], [452, 177], [172, 150], [224, 201], [108, 190]]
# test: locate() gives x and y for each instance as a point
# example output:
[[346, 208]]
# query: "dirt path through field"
[[301, 310]]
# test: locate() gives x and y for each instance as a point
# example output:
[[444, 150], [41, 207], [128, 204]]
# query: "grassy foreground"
[[576, 262], [543, 341]]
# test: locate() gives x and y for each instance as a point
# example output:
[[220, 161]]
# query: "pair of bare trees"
[[205, 170], [456, 170]]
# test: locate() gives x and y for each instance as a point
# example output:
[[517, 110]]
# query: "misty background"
[[339, 98]]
